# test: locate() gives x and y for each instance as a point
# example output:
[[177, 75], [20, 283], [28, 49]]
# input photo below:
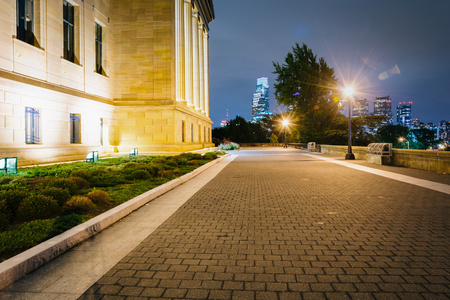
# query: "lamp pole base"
[[349, 156]]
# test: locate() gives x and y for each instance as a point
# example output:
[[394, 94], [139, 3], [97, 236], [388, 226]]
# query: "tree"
[[273, 139], [424, 138], [307, 85], [391, 134], [240, 131]]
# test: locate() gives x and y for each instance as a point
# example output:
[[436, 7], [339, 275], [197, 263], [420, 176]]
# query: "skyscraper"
[[360, 108], [260, 102], [444, 130], [383, 107], [404, 114]]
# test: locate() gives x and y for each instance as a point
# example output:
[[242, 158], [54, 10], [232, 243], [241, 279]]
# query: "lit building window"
[[25, 21], [199, 133], [192, 132], [183, 131], [98, 48], [75, 132], [69, 31], [31, 125]]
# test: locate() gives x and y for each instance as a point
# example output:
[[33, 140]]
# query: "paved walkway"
[[281, 224]]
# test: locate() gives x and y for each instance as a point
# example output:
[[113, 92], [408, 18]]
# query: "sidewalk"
[[273, 224]]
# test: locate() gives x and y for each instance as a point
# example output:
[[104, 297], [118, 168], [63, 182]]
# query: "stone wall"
[[436, 161]]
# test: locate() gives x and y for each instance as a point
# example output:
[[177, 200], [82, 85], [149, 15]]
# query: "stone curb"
[[31, 259]]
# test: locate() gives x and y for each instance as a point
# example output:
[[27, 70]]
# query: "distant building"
[[383, 107], [433, 127], [444, 130], [404, 114], [360, 108], [260, 102]]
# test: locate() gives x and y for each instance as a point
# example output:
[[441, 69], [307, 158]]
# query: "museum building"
[[103, 75]]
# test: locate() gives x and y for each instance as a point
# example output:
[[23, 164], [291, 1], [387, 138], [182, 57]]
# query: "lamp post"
[[403, 139], [285, 124], [348, 92]]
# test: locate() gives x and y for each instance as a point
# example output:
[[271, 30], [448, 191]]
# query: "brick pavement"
[[280, 225]]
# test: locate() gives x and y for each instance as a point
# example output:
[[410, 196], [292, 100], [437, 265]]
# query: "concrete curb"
[[31, 259]]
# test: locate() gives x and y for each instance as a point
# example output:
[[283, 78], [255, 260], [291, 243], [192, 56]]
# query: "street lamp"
[[348, 92], [285, 124], [403, 139]]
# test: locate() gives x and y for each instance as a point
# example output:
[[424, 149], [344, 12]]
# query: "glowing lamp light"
[[92, 157], [348, 91], [285, 123], [134, 152], [8, 165]]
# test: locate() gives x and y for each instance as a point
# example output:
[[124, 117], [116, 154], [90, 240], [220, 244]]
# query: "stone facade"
[[137, 100]]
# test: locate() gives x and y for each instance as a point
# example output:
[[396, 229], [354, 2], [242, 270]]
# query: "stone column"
[[195, 63], [206, 69], [201, 70], [188, 78], [179, 46]]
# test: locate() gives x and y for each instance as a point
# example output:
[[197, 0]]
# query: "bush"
[[13, 198], [5, 215], [81, 183], [106, 179], [81, 173], [193, 163], [62, 183], [229, 146], [171, 163], [99, 197], [210, 156], [66, 222], [5, 180], [19, 180], [139, 175], [170, 174], [78, 204], [60, 195], [37, 207]]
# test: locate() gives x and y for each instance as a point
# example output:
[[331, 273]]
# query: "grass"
[[122, 178]]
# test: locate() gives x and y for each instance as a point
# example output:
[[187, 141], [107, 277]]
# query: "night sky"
[[399, 48]]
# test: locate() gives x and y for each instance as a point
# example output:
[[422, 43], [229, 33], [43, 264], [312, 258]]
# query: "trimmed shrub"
[[60, 195], [105, 180], [99, 197], [78, 204], [66, 222], [229, 146], [5, 215], [170, 174], [139, 175], [193, 163], [81, 173], [210, 156], [81, 183], [14, 198], [171, 163], [5, 180], [62, 183], [19, 180], [37, 207]]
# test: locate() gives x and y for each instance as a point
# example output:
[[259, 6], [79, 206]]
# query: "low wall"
[[436, 161], [261, 145]]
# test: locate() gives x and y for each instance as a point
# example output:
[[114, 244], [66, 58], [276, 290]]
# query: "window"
[[204, 134], [69, 31], [25, 21], [98, 48], [74, 128], [31, 125], [192, 132], [199, 133], [183, 130], [101, 131]]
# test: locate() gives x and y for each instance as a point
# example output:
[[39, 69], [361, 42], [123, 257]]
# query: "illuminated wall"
[[129, 94], [260, 101]]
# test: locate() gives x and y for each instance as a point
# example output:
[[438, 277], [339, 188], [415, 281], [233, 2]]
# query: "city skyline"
[[389, 48]]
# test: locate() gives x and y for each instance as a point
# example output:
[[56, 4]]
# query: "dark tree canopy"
[[307, 85]]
